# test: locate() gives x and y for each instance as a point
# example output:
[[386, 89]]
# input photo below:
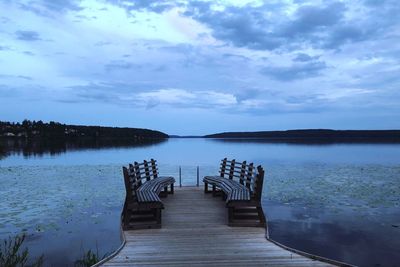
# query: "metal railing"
[[197, 176]]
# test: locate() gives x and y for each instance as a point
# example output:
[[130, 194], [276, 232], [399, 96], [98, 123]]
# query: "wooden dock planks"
[[195, 233]]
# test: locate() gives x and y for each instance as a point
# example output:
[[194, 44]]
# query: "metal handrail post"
[[180, 176], [198, 176]]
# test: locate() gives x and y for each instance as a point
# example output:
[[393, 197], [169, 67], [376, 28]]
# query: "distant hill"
[[38, 129], [37, 137], [186, 136], [316, 136]]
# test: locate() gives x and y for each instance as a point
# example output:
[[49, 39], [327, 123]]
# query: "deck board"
[[195, 233]]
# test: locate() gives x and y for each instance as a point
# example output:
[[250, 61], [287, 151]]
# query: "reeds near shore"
[[12, 254]]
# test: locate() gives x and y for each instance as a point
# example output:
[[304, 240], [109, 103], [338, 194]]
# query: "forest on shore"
[[55, 130], [315, 136], [38, 137]]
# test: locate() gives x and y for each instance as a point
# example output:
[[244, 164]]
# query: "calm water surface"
[[340, 201]]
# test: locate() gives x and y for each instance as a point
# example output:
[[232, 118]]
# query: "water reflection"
[[360, 242], [39, 147]]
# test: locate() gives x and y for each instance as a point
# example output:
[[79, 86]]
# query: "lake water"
[[341, 201]]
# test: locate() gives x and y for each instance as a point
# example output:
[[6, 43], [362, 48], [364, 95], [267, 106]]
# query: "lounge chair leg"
[[230, 215], [261, 215], [166, 191], [158, 216]]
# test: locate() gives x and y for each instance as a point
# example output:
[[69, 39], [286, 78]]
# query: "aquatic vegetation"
[[337, 186], [89, 258], [11, 253], [35, 196]]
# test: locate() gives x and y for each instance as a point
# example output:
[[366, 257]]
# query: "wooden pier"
[[195, 233]]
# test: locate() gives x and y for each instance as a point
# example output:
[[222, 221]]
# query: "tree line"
[[38, 137], [55, 130], [315, 136]]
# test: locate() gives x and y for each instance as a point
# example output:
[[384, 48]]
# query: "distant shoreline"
[[108, 136], [313, 136]]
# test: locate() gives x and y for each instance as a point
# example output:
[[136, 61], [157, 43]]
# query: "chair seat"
[[233, 189], [148, 192], [214, 180], [148, 196]]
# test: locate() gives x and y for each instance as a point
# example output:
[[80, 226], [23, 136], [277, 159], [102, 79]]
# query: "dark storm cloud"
[[296, 71], [30, 36]]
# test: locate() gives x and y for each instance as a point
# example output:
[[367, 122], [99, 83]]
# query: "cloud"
[[92, 92], [233, 56], [217, 98], [103, 43], [239, 26], [166, 96], [4, 20], [162, 68], [116, 65], [146, 5], [138, 96], [49, 7], [376, 3], [4, 48], [302, 57], [30, 36], [344, 93], [24, 77], [309, 19], [61, 5], [28, 53], [271, 27], [184, 98], [347, 34], [296, 71], [254, 103], [249, 101]]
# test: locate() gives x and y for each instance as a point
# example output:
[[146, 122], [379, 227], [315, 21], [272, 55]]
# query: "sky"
[[200, 67]]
